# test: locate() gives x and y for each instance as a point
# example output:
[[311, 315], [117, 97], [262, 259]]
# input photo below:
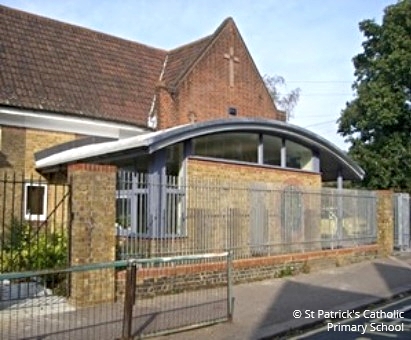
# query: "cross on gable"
[[231, 59]]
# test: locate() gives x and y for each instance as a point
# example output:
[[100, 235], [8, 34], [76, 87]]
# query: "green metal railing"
[[160, 296]]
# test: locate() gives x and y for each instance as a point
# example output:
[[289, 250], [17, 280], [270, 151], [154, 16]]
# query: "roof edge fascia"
[[52, 121]]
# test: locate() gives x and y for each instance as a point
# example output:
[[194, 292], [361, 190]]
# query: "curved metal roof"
[[332, 159]]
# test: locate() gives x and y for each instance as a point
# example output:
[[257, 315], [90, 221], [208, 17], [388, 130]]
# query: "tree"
[[284, 102], [377, 122]]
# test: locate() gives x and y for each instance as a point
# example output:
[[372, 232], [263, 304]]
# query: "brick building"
[[198, 112]]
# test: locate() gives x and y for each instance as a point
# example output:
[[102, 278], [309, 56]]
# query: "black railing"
[[34, 223]]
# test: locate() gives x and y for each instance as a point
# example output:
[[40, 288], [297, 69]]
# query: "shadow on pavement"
[[350, 292]]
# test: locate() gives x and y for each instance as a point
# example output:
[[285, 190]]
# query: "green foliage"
[[377, 122], [29, 248]]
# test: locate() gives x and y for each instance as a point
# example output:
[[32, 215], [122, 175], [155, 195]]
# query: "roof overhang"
[[333, 161], [68, 123]]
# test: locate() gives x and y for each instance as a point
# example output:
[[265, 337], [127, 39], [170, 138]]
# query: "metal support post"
[[129, 299], [230, 298]]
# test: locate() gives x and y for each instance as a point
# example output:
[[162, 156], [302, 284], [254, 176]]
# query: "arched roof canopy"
[[333, 161]]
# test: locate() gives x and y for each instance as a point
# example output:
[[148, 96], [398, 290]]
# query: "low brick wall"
[[169, 280]]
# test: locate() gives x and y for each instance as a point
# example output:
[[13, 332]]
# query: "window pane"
[[298, 156], [234, 146], [272, 150], [35, 200], [141, 220], [138, 164], [174, 159], [123, 212], [174, 206]]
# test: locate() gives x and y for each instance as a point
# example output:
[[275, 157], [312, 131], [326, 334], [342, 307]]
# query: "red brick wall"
[[165, 280], [206, 94]]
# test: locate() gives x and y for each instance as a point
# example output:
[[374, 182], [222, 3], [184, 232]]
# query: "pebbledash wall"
[[93, 239]]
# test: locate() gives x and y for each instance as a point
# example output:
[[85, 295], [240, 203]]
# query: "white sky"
[[309, 42]]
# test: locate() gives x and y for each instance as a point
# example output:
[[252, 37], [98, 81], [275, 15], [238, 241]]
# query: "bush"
[[29, 248]]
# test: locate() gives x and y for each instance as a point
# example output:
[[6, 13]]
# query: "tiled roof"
[[180, 59], [52, 66]]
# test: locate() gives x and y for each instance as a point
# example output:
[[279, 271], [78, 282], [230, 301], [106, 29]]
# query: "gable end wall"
[[206, 94]]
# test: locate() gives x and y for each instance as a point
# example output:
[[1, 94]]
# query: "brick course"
[[158, 281]]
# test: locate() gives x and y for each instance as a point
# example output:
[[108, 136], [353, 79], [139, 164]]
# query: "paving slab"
[[265, 309]]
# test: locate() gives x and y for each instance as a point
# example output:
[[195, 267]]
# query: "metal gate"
[[169, 294], [401, 221]]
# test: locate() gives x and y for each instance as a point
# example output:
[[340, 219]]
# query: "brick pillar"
[[385, 222], [92, 231]]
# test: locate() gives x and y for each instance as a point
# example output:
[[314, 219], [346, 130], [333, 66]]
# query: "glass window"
[[35, 201], [272, 150], [138, 164], [174, 159], [123, 212], [131, 204], [234, 146], [298, 156]]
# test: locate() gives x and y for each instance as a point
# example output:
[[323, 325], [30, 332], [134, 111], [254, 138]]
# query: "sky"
[[310, 43]]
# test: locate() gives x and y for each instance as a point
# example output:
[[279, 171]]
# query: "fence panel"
[[348, 218], [257, 219], [38, 305], [166, 295]]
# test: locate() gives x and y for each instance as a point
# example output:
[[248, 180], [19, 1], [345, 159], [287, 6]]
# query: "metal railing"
[[256, 219], [34, 220], [177, 293], [148, 297], [402, 228]]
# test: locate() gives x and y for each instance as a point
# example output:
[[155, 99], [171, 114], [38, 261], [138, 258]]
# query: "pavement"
[[264, 310]]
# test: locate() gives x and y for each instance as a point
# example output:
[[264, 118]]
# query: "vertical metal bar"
[[3, 225], [129, 299], [230, 298], [340, 206], [400, 225]]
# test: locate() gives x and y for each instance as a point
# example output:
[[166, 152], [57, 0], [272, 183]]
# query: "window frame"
[[35, 217], [170, 216]]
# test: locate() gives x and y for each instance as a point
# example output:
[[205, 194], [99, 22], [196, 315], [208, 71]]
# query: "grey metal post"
[[129, 299], [340, 208]]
